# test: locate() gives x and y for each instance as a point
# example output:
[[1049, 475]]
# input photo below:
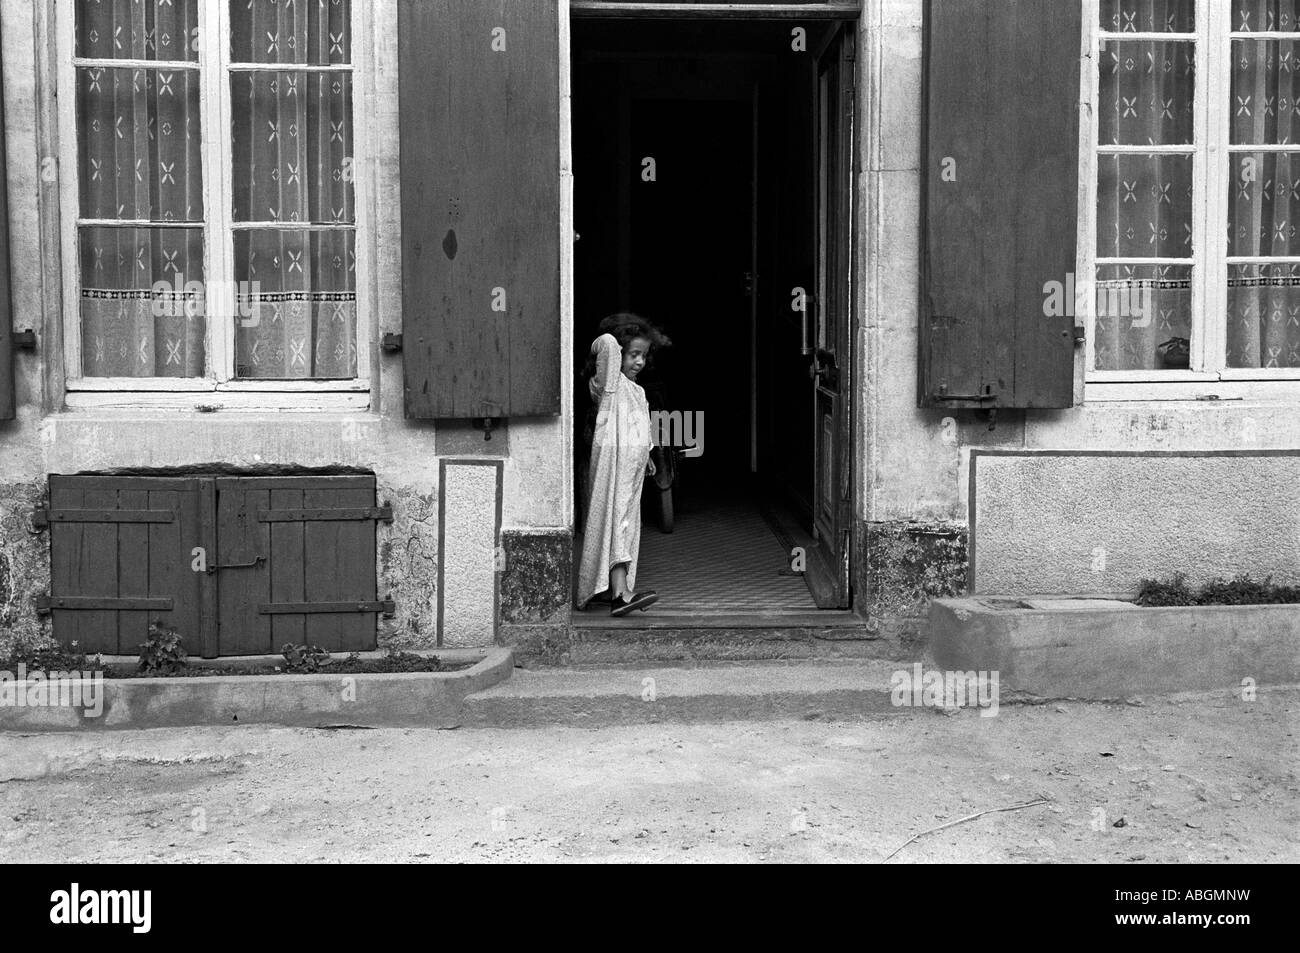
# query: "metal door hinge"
[[45, 604]]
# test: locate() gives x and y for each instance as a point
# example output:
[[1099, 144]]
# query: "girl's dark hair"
[[626, 327]]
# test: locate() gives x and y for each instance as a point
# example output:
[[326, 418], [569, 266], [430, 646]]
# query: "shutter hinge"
[[988, 396], [391, 342], [25, 340], [485, 424], [41, 518]]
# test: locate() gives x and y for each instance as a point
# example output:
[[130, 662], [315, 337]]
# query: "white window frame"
[[218, 388], [1208, 378]]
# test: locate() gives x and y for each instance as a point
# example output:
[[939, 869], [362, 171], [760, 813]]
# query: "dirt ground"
[[1189, 778]]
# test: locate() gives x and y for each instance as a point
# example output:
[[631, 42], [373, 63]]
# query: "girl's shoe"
[[639, 600]]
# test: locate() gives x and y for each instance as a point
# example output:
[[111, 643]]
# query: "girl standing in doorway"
[[620, 458]]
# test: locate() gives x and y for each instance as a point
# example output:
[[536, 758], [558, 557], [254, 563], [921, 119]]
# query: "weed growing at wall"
[[163, 651], [1240, 591]]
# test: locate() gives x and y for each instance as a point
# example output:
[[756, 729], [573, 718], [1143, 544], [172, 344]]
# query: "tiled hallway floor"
[[723, 557]]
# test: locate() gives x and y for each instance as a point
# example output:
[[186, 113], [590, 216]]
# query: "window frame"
[[215, 60], [1208, 377]]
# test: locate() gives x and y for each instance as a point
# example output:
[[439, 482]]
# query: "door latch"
[[256, 562], [824, 369]]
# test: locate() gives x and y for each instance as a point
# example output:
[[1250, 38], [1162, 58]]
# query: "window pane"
[[315, 33], [1140, 309], [1149, 16], [1266, 91], [292, 146], [1264, 315], [1254, 16], [136, 30], [1264, 203], [299, 306], [1147, 92], [140, 154], [142, 314], [1144, 206]]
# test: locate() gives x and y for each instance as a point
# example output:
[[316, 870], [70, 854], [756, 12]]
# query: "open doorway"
[[712, 198]]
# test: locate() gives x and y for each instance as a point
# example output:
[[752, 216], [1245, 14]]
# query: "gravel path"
[[1204, 778]]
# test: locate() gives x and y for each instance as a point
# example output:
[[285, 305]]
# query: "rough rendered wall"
[[1099, 524]]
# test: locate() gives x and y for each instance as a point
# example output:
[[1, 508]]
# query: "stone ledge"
[[1057, 647], [414, 699], [635, 694]]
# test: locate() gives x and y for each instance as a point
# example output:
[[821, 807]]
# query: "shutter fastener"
[[25, 340], [391, 342]]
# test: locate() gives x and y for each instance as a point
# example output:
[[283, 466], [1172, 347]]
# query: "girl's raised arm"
[[609, 363]]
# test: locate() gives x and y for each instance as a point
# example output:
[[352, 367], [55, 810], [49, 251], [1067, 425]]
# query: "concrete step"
[[710, 692], [597, 639]]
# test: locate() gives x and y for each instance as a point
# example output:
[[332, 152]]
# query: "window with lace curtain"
[[212, 234], [1196, 204]]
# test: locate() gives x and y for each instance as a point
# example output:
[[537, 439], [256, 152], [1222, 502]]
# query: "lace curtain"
[[1264, 188], [140, 163], [141, 240], [293, 146], [1144, 199]]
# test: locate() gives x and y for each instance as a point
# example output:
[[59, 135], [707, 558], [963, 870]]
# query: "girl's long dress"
[[620, 448]]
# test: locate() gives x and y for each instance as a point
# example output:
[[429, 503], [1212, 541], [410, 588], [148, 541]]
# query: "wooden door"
[[121, 557], [296, 563], [831, 365]]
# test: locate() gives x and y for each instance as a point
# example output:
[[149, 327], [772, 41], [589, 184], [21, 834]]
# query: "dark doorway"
[[696, 190]]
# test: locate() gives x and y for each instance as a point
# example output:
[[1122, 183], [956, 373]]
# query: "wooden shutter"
[[6, 304], [121, 556], [480, 181], [1001, 119], [297, 563]]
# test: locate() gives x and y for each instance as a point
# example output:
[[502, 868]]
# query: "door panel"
[[120, 558], [315, 581], [244, 568], [830, 360]]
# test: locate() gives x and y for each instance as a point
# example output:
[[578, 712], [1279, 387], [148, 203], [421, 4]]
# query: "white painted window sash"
[[215, 106], [1210, 183]]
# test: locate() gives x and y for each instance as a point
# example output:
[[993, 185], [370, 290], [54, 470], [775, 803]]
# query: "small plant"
[[45, 657], [1171, 592], [304, 658], [1240, 591], [395, 660], [162, 652]]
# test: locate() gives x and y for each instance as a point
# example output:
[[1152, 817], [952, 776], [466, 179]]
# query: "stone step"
[[711, 692], [594, 638]]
